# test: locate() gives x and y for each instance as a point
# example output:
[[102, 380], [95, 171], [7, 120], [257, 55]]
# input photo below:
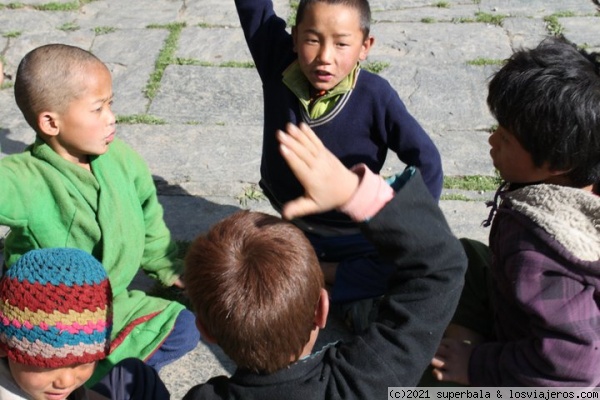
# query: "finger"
[[304, 135], [437, 362], [298, 208], [291, 152], [297, 148], [311, 136], [437, 374]]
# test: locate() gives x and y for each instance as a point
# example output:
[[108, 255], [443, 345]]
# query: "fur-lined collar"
[[571, 216]]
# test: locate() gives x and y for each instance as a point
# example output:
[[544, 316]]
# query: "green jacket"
[[112, 213]]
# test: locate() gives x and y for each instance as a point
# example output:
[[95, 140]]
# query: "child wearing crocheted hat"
[[55, 324]]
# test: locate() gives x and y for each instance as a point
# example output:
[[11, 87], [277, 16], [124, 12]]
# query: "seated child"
[[55, 322], [314, 76], [530, 310], [79, 186], [258, 290]]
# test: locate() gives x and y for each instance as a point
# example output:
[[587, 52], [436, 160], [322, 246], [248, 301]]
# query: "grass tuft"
[[472, 182], [375, 66], [104, 30], [69, 27], [140, 119], [72, 6], [553, 26], [485, 61], [165, 57], [12, 6], [237, 64], [250, 193], [455, 196], [494, 19], [12, 34]]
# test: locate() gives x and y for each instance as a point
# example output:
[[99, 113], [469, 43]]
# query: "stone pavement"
[[200, 129]]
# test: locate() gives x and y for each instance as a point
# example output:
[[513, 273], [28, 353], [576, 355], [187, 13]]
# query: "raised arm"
[[409, 231], [266, 36]]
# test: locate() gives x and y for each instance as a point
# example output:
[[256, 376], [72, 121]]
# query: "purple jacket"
[[545, 241]]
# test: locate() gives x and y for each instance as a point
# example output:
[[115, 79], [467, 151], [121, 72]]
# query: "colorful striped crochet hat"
[[55, 309]]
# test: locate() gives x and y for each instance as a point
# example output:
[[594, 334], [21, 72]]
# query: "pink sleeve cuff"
[[371, 195]]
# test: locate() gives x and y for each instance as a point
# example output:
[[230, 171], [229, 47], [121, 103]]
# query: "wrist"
[[369, 196]]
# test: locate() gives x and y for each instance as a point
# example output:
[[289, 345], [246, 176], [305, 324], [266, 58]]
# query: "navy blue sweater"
[[365, 123]]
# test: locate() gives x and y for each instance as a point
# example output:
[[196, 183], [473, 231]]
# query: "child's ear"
[[48, 123], [204, 334], [366, 46], [322, 310]]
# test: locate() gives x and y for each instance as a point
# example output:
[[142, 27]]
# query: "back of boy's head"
[[255, 282], [55, 309], [49, 78], [362, 6], [549, 98]]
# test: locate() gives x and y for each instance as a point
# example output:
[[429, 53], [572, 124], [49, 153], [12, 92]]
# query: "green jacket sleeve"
[[159, 259]]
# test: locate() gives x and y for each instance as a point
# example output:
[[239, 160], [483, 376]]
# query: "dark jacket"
[[411, 232]]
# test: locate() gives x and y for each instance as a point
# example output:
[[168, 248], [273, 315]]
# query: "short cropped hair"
[[49, 78], [549, 98], [255, 282], [362, 6]]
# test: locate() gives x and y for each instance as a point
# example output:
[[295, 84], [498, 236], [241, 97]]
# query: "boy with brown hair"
[[313, 75], [530, 310], [257, 287], [79, 186]]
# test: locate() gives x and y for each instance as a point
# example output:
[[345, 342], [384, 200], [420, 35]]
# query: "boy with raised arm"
[[313, 75], [256, 285]]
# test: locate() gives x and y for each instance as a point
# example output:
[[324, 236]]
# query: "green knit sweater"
[[113, 213]]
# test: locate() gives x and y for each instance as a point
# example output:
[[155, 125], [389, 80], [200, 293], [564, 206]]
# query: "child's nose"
[[111, 117], [492, 138], [66, 379], [325, 53]]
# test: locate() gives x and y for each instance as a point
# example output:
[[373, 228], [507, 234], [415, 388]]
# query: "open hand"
[[328, 184]]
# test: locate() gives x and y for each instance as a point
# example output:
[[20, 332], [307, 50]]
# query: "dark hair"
[[255, 283], [549, 98], [362, 6], [49, 78]]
